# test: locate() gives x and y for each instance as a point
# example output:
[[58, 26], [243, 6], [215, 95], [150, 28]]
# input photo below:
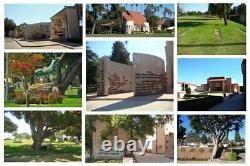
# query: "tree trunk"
[[215, 149], [93, 28], [225, 14], [38, 141]]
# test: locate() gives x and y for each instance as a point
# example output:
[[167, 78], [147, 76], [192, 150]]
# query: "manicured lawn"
[[21, 152], [197, 35], [165, 34], [67, 102]]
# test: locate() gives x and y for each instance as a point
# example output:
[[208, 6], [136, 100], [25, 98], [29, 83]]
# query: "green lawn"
[[197, 36], [21, 152], [165, 34], [67, 102]]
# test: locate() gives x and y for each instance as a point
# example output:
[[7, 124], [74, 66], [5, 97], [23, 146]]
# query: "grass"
[[162, 34], [67, 102], [104, 161], [196, 36], [20, 152]]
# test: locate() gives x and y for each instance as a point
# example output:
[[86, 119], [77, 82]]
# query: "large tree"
[[91, 66], [220, 9], [181, 131], [9, 25], [9, 126], [149, 13], [43, 124], [96, 12], [217, 127], [120, 53]]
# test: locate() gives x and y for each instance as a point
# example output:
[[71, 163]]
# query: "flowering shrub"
[[55, 98]]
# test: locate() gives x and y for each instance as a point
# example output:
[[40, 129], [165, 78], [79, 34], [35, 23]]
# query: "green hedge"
[[232, 156], [199, 104]]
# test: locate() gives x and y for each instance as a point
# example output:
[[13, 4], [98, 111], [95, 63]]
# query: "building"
[[37, 31], [134, 22], [243, 69], [162, 142], [222, 84], [169, 50], [66, 25], [181, 86]]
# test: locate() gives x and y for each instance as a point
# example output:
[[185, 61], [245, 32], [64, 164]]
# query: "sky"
[[104, 48], [198, 70], [186, 124], [23, 127], [32, 13], [141, 7], [202, 7]]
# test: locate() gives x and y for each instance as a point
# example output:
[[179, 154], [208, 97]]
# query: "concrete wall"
[[169, 49], [150, 76], [73, 24], [37, 31], [113, 77]]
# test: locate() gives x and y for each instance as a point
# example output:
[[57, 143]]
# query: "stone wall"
[[150, 76], [198, 153], [113, 77], [37, 31]]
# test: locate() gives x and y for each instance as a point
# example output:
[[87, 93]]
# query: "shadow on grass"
[[59, 152], [206, 45], [202, 19], [189, 24]]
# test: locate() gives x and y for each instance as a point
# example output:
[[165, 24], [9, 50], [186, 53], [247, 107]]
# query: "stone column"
[[169, 49], [102, 77]]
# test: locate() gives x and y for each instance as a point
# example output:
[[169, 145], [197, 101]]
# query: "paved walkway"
[[231, 103], [153, 158], [12, 43], [127, 102]]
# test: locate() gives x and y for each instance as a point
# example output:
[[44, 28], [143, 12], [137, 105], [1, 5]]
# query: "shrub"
[[232, 156], [55, 98], [199, 104], [19, 98], [188, 90]]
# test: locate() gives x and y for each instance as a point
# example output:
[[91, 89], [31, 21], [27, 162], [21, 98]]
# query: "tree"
[[220, 9], [96, 12], [188, 90], [237, 138], [43, 124], [149, 13], [217, 127], [9, 25], [91, 66], [9, 126], [192, 137], [204, 139], [119, 53], [181, 131]]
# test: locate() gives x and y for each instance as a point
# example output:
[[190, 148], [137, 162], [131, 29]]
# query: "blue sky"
[[23, 127], [197, 70], [197, 6], [32, 13], [141, 7], [186, 124], [104, 48]]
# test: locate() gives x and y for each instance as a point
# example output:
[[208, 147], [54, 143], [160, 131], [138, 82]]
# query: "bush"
[[19, 98], [55, 98], [232, 156], [199, 104], [188, 90]]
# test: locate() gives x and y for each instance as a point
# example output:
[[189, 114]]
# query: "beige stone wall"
[[98, 153], [37, 31], [150, 76], [113, 77], [72, 24], [169, 49], [169, 145]]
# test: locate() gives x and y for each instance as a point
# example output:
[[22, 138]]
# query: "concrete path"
[[152, 158], [12, 43], [127, 102], [231, 103]]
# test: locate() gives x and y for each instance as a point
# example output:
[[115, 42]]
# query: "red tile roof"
[[137, 17]]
